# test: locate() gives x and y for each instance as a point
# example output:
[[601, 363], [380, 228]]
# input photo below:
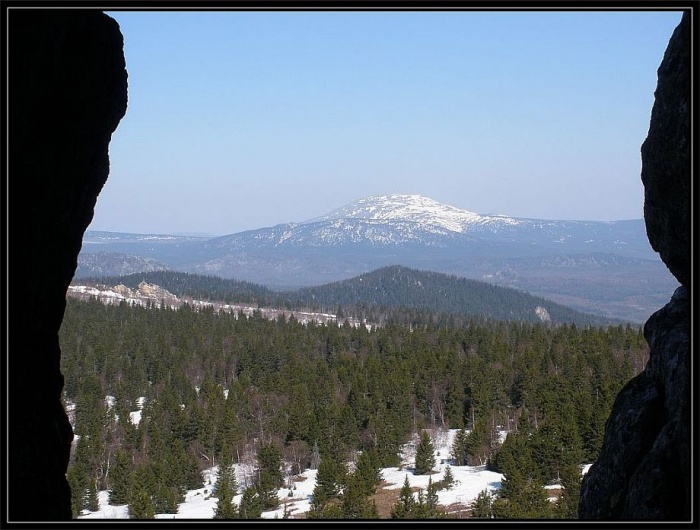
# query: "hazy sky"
[[240, 120]]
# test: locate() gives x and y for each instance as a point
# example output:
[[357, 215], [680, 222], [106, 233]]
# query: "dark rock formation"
[[666, 158], [67, 94], [644, 469]]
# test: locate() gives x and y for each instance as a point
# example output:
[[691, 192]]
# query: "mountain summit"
[[415, 209]]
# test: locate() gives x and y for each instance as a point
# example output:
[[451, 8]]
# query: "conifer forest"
[[216, 388]]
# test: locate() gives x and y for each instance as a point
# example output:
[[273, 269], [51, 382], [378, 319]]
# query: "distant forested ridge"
[[371, 294], [219, 387], [386, 294]]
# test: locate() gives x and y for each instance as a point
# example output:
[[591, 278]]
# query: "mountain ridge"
[[394, 220], [561, 260], [371, 296]]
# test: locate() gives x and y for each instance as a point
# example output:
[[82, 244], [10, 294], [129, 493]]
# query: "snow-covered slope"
[[417, 209], [393, 221]]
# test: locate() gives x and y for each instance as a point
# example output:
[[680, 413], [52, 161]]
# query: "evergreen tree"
[[329, 479], [420, 509], [425, 455], [533, 503], [270, 477], [367, 471], [82, 474], [91, 500], [78, 481], [404, 507], [454, 403], [448, 479], [142, 480], [166, 498], [355, 502], [225, 489], [478, 442], [431, 501], [460, 449], [529, 501], [568, 502], [330, 510], [120, 478], [515, 462], [141, 505], [251, 504], [481, 507]]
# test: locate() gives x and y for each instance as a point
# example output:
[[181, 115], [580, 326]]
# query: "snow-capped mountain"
[[564, 261], [407, 221], [339, 232], [416, 209]]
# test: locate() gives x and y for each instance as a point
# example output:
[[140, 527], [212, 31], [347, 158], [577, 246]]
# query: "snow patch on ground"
[[469, 481]]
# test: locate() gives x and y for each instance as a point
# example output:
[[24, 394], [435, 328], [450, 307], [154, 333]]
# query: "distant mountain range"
[[606, 268], [115, 263]]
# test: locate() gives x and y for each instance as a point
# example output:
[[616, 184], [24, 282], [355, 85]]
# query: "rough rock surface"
[[67, 93], [644, 469], [666, 158]]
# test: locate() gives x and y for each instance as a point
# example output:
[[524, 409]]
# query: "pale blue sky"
[[239, 120]]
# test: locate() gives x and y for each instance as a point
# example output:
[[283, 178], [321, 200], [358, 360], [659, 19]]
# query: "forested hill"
[[437, 293], [384, 294]]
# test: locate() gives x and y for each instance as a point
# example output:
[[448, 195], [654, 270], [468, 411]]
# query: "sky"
[[469, 482], [239, 120]]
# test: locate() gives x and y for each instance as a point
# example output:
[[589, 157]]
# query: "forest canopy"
[[219, 387]]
